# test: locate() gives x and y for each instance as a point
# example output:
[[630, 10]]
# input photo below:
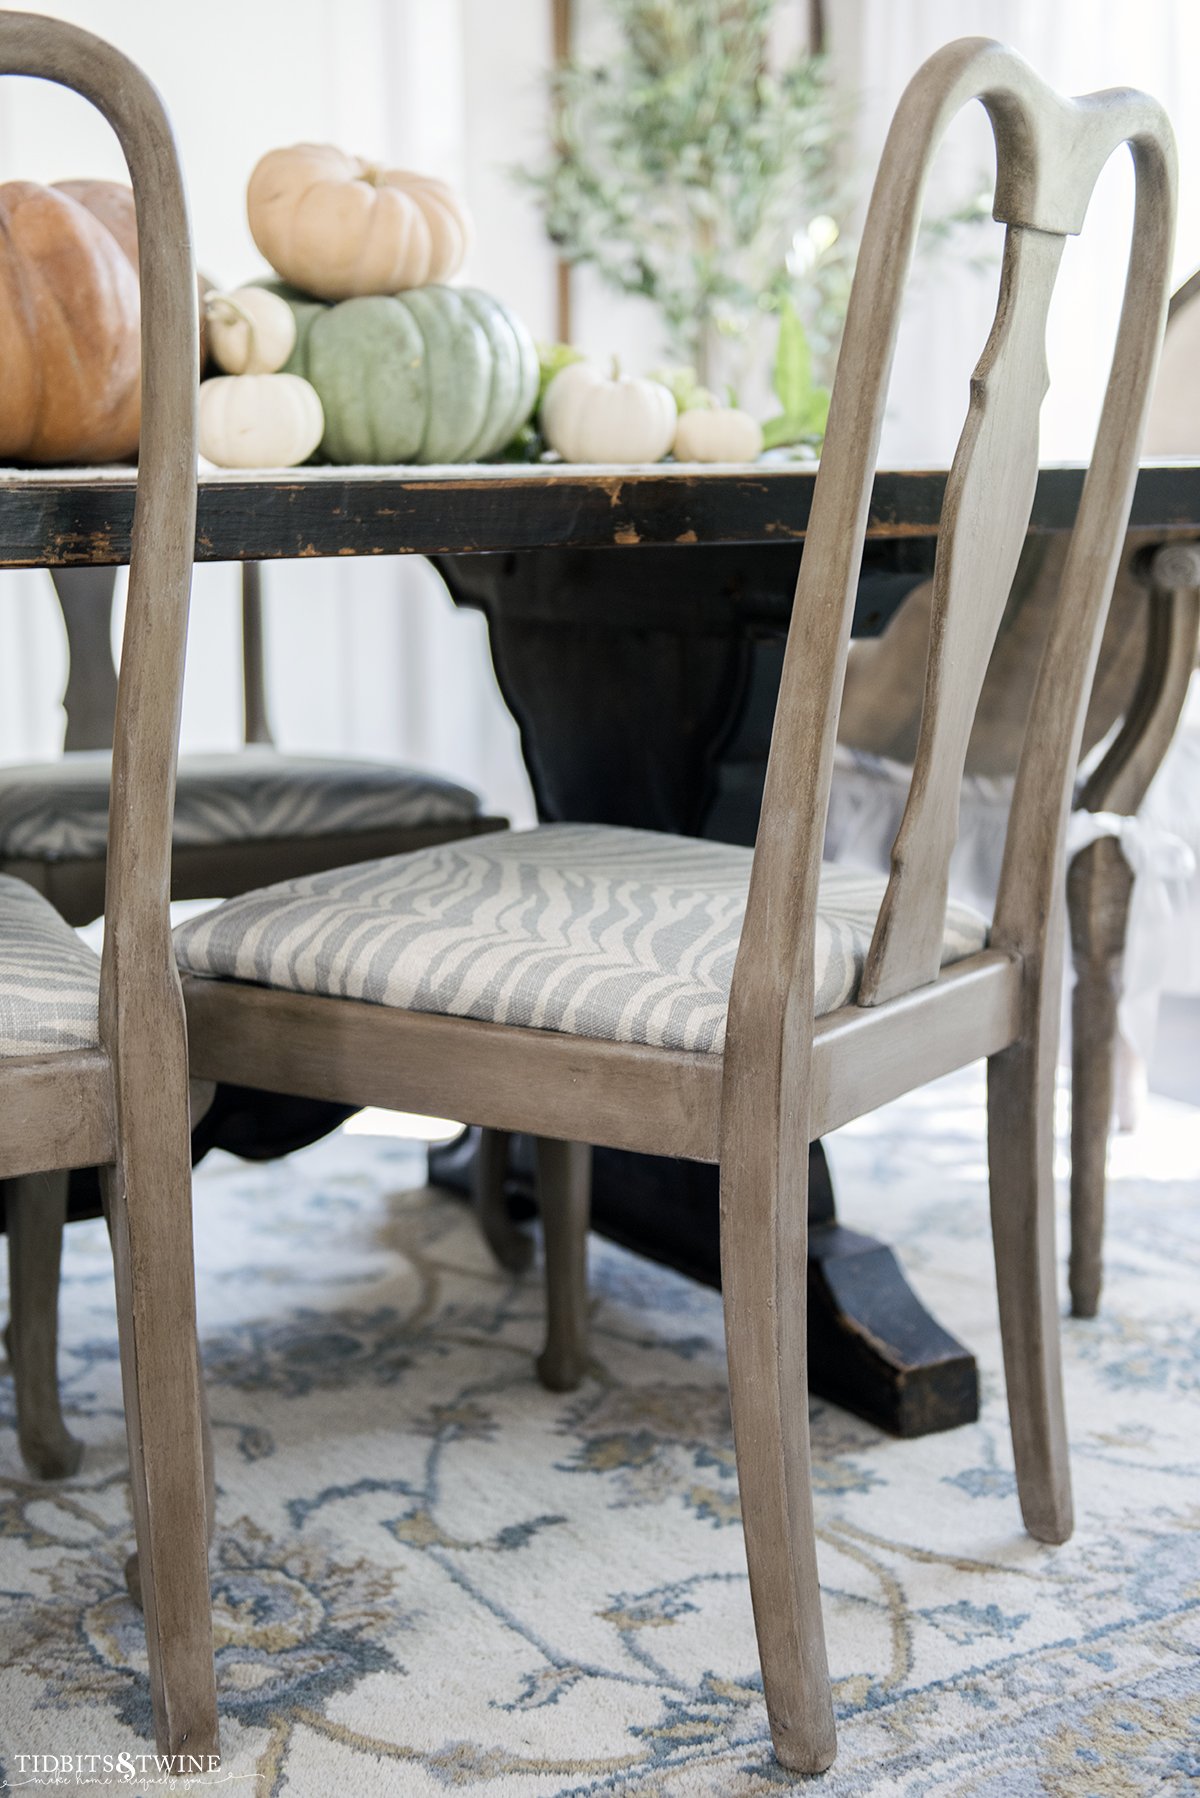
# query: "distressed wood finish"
[[85, 597], [142, 1029], [988, 500], [512, 1248], [62, 519], [564, 1174], [1099, 891], [536, 1081], [1049, 153], [35, 1208], [57, 1112], [256, 720], [757, 1100]]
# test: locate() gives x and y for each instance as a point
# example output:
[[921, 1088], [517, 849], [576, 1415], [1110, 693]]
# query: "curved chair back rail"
[[137, 949]]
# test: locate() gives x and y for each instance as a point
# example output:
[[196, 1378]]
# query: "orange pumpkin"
[[69, 322]]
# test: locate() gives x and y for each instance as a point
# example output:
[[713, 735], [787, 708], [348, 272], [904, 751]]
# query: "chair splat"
[[989, 498]]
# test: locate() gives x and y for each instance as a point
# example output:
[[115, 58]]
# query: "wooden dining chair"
[[588, 984], [93, 1051], [242, 817]]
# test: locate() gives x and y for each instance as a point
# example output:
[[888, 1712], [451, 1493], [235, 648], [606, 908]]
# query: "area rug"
[[431, 1575]]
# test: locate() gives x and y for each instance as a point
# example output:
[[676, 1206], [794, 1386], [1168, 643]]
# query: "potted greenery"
[[692, 169]]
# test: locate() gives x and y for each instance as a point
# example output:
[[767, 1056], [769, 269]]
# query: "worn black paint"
[[46, 522]]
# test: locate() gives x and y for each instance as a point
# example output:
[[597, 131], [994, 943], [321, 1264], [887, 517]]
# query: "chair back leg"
[[1021, 1176], [564, 1179], [35, 1208]]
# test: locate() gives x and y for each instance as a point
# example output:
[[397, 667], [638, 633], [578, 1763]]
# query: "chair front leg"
[[133, 1571], [36, 1209], [148, 1204], [764, 1253]]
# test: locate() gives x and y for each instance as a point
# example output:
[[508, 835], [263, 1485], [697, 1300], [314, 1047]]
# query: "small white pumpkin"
[[250, 331], [588, 416], [259, 421], [717, 434]]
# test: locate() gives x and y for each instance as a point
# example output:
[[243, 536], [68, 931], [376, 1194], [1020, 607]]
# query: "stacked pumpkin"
[[70, 322], [403, 367]]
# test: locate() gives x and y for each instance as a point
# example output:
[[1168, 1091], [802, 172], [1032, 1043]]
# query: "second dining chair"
[[591, 985], [93, 1051]]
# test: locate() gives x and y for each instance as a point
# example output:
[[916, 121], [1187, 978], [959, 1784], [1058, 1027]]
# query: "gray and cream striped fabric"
[[58, 811], [49, 979], [625, 935]]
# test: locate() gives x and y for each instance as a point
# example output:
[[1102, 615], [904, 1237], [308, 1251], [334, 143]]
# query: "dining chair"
[[93, 1050], [241, 818], [595, 985], [1147, 653]]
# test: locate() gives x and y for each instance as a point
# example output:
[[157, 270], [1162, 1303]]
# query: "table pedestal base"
[[872, 1346]]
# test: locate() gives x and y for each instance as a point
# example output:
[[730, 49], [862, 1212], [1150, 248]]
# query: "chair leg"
[[148, 1204], [764, 1252], [564, 1178], [1021, 1172], [512, 1248], [133, 1572], [36, 1209], [1099, 888]]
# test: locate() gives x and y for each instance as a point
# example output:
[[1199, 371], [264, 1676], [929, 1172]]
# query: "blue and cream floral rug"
[[430, 1574]]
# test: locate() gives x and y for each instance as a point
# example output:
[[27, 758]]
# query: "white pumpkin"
[[336, 226], [259, 421], [717, 434], [250, 331], [588, 416]]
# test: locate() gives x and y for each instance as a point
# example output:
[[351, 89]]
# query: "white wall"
[[363, 656], [1078, 46], [370, 656]]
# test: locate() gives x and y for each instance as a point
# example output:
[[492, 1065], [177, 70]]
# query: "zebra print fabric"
[[49, 979], [625, 935], [58, 811]]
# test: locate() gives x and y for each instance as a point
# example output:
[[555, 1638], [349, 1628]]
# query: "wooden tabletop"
[[56, 517]]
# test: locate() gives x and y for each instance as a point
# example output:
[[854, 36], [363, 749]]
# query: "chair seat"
[[49, 978], [624, 935], [58, 811]]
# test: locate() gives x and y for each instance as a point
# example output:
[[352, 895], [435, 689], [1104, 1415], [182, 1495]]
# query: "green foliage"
[[805, 406], [686, 170], [684, 387], [551, 358]]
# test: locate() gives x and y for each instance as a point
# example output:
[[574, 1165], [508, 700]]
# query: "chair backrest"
[[85, 596], [1173, 424], [138, 965], [1049, 154]]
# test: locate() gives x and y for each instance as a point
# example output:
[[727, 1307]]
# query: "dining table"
[[636, 619]]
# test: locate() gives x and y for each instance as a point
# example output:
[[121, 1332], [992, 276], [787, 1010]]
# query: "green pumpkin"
[[437, 374]]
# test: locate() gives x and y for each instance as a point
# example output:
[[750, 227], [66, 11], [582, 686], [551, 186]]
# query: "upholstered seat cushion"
[[58, 811], [624, 935], [49, 979]]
